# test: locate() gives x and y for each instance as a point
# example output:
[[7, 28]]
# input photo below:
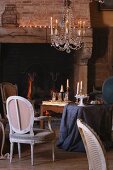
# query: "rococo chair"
[[21, 119], [94, 148], [7, 89]]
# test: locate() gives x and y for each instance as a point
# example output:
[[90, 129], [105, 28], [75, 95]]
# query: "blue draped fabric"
[[98, 117]]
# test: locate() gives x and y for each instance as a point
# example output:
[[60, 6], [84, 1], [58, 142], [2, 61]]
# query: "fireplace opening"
[[41, 64], [36, 86]]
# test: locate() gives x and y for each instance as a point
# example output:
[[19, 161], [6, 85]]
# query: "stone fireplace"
[[26, 48]]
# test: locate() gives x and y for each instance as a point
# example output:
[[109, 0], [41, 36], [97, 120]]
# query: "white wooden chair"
[[94, 148], [20, 114]]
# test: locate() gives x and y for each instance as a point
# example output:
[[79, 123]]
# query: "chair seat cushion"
[[45, 135], [40, 135]]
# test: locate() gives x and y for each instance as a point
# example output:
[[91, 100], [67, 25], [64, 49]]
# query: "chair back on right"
[[94, 148]]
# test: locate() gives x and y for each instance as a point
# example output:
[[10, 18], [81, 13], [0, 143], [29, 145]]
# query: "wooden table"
[[47, 106]]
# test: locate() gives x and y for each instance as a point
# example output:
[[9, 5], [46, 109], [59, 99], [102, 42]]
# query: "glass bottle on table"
[[66, 96], [60, 97], [61, 94]]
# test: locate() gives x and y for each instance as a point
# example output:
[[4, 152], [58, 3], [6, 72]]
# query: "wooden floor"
[[43, 160]]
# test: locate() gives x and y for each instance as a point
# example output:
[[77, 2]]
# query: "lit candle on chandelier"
[[79, 29], [66, 26], [84, 23], [80, 24], [56, 29], [51, 26]]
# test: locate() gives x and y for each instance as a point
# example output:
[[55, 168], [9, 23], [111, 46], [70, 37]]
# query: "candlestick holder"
[[66, 97], [53, 97], [60, 97], [81, 97]]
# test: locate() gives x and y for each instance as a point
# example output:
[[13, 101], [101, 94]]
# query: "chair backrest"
[[94, 147], [7, 89], [20, 114]]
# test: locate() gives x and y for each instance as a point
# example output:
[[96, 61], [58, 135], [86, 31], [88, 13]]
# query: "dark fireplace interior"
[[46, 67]]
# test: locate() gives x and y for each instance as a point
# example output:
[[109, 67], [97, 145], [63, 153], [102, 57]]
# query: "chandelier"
[[67, 35]]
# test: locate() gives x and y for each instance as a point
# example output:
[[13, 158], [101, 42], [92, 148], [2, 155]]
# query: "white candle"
[[61, 89], [56, 29], [84, 23], [77, 88], [67, 83], [80, 22], [81, 85], [67, 27], [51, 26], [84, 27], [79, 32]]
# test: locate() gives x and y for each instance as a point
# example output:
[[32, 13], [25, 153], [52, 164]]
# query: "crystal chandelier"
[[66, 35]]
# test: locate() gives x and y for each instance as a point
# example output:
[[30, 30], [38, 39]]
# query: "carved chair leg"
[[3, 139], [53, 151], [11, 151], [19, 150], [32, 155]]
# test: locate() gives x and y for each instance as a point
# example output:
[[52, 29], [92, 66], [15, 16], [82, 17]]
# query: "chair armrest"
[[48, 118], [42, 118]]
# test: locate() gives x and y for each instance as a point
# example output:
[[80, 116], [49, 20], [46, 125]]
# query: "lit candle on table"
[[81, 86], [67, 83], [77, 88], [62, 89]]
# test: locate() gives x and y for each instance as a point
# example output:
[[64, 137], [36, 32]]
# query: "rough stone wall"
[[38, 12]]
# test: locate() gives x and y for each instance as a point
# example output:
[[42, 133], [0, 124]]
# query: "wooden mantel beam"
[[24, 35]]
